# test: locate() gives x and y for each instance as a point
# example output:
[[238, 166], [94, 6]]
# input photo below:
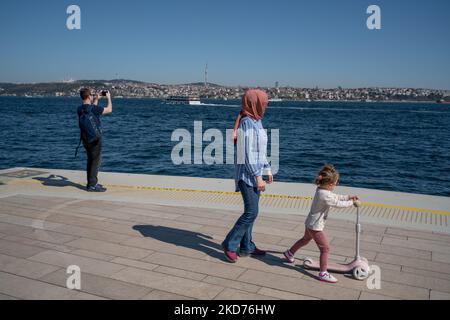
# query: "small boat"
[[275, 100], [191, 100], [442, 101]]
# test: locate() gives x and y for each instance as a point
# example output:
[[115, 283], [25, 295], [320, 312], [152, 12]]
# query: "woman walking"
[[251, 164]]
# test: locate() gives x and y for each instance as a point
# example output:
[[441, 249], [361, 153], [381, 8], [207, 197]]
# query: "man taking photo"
[[91, 133]]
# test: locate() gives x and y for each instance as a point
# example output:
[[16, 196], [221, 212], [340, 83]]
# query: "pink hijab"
[[254, 104]]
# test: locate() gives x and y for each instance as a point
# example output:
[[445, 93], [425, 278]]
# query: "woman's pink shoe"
[[230, 256]]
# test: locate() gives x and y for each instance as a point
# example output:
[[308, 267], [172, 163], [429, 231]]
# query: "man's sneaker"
[[97, 188], [326, 277], [230, 255], [289, 256]]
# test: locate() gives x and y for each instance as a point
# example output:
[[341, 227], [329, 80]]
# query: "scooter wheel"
[[307, 262], [360, 273]]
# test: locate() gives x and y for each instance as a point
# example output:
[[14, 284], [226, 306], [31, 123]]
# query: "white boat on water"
[[275, 100], [184, 100]]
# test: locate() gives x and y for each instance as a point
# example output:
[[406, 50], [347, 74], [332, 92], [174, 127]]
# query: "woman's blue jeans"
[[241, 234]]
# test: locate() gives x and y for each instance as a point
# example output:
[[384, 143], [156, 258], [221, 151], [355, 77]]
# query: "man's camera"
[[103, 93]]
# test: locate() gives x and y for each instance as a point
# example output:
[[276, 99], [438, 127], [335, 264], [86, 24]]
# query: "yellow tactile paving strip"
[[301, 203]]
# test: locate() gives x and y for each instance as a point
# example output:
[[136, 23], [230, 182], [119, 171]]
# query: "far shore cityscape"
[[136, 89]]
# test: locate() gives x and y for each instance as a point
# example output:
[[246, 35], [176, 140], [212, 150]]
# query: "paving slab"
[[414, 262], [110, 248], [36, 243], [196, 265], [426, 280], [163, 295], [6, 297], [92, 233], [100, 286], [239, 285], [172, 284], [283, 295], [419, 234], [134, 263], [388, 288], [422, 244], [161, 246], [12, 229], [375, 247], [25, 268], [375, 296], [30, 289], [436, 295], [92, 254], [298, 285], [441, 257], [233, 294], [415, 271], [18, 250], [181, 273], [86, 264]]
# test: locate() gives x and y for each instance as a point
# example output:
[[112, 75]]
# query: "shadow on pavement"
[[273, 260], [59, 181], [183, 238], [200, 242]]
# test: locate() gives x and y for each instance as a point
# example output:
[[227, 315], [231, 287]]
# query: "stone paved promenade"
[[135, 250]]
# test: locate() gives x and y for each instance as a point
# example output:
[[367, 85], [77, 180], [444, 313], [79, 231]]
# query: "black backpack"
[[90, 129]]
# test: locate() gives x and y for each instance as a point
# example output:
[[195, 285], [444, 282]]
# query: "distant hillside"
[[47, 88], [62, 88], [122, 88]]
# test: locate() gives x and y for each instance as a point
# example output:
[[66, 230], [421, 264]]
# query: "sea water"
[[390, 146]]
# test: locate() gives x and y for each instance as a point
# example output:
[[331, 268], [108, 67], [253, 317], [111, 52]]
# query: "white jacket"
[[323, 201]]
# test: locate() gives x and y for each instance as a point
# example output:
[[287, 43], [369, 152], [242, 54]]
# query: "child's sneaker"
[[326, 277], [289, 256]]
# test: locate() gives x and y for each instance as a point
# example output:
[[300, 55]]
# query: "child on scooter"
[[324, 199]]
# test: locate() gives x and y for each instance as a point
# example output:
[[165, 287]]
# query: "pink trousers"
[[321, 241]]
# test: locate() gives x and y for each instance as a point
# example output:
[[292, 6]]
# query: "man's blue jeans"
[[241, 234]]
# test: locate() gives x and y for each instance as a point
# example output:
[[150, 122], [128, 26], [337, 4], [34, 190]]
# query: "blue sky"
[[247, 42]]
